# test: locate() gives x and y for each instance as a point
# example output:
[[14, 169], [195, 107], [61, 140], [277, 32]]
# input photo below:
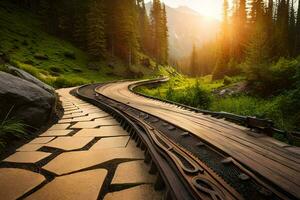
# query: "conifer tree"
[[95, 25], [221, 66], [292, 30], [297, 32], [164, 36], [145, 29]]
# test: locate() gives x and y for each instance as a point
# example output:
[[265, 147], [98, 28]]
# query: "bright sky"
[[209, 8]]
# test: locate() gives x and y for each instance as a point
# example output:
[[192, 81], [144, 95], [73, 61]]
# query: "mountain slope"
[[187, 27]]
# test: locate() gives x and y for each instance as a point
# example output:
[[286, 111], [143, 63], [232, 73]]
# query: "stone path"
[[86, 155]]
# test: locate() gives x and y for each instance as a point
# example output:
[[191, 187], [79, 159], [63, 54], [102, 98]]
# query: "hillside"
[[25, 44]]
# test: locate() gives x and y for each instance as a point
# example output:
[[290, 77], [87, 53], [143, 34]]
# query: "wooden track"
[[261, 154]]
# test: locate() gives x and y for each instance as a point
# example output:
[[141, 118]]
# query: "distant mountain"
[[188, 27]]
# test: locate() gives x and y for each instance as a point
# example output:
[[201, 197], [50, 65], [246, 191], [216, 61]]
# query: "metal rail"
[[187, 166], [262, 125]]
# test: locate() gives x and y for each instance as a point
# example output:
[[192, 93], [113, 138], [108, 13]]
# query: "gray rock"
[[29, 102], [28, 77]]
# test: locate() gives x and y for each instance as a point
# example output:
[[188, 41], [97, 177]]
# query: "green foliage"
[[227, 80], [11, 128], [273, 79]]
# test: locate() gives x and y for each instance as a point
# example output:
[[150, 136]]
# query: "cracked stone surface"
[[69, 143], [16, 182], [142, 192], [83, 185], [56, 133], [133, 172], [74, 161], [27, 157], [104, 131], [111, 142]]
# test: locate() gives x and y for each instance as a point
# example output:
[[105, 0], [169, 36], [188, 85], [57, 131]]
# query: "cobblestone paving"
[[86, 155]]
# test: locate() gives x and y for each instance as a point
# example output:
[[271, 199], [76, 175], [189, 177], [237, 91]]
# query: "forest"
[[104, 28], [252, 66]]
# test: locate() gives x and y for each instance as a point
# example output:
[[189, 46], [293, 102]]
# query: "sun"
[[210, 9]]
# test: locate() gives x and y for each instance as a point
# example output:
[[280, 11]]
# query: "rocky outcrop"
[[28, 77], [27, 101]]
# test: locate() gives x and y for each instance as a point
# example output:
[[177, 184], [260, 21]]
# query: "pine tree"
[[221, 66], [281, 30], [297, 32], [292, 30], [156, 22], [164, 36], [145, 29], [95, 33]]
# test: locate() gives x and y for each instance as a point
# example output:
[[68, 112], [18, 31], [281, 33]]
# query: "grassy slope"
[[22, 36]]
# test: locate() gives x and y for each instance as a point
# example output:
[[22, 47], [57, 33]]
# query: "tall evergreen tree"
[[292, 30], [297, 32], [96, 36], [145, 29], [221, 66], [282, 27], [164, 36]]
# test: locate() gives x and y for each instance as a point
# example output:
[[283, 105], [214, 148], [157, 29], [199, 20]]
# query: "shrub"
[[227, 80]]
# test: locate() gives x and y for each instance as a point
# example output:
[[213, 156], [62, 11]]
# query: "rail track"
[[197, 156]]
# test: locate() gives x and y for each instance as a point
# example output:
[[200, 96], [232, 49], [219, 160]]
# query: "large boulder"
[[28, 77], [27, 101]]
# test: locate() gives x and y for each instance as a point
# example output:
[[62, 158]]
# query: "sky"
[[209, 8]]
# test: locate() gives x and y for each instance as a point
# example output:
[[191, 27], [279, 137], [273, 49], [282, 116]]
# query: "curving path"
[[276, 161], [86, 155]]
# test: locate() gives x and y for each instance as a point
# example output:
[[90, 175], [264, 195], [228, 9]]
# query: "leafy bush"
[[270, 79], [227, 80], [194, 96]]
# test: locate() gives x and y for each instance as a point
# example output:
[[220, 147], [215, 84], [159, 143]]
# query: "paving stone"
[[41, 140], [77, 160], [74, 115], [96, 123], [59, 127], [56, 133], [111, 142], [83, 185], [69, 143], [72, 112], [90, 124], [30, 147], [71, 109], [133, 172], [16, 182], [104, 131], [27, 157], [64, 121], [82, 119], [141, 192]]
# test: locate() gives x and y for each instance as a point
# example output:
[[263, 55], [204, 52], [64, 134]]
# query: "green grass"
[[22, 36], [182, 90], [11, 128]]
